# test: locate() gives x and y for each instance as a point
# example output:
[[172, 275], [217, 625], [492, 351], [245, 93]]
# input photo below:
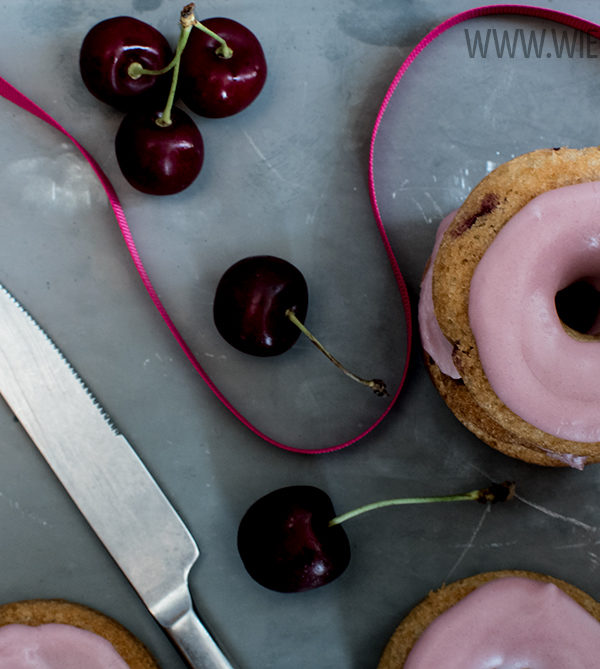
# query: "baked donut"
[[64, 635], [505, 362], [501, 619]]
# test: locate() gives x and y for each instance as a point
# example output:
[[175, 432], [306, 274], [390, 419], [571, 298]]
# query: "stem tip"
[[497, 492]]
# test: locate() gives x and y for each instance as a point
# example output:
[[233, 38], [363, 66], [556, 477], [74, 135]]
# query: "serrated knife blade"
[[105, 478]]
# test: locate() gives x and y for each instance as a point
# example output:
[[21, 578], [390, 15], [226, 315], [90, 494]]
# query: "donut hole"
[[578, 307]]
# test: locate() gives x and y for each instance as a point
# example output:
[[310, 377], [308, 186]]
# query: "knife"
[[105, 478]]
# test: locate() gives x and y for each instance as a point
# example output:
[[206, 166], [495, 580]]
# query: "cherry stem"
[[165, 118], [136, 70], [187, 22], [497, 492], [376, 385], [223, 49]]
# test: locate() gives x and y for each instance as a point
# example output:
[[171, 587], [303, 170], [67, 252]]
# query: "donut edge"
[[472, 416]]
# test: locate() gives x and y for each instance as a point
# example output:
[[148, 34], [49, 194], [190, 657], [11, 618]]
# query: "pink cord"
[[12, 94]]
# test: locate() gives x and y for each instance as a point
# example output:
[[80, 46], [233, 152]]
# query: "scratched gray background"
[[288, 177]]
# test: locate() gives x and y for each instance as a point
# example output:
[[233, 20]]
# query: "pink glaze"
[[56, 646], [432, 339], [540, 372], [510, 623]]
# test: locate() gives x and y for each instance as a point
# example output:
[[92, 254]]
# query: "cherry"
[[223, 68], [259, 308], [285, 541], [107, 52], [251, 301], [159, 159], [290, 540]]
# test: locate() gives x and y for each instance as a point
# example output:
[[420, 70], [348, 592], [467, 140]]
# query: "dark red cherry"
[[108, 50], [159, 160], [250, 304], [286, 544], [214, 86]]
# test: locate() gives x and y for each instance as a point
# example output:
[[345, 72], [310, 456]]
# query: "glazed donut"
[[517, 376], [504, 619]]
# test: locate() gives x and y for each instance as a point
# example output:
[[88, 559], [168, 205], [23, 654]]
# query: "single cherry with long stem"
[[259, 308], [290, 540]]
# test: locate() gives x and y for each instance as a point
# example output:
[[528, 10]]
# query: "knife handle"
[[197, 646]]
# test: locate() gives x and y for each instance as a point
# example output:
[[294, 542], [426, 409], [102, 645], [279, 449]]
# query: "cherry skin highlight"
[[214, 86], [107, 51], [251, 301], [286, 544], [159, 160]]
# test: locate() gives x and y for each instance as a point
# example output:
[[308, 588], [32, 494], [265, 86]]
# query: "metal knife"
[[105, 478]]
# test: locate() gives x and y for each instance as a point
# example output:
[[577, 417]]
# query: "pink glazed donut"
[[511, 370], [59, 634], [501, 619]]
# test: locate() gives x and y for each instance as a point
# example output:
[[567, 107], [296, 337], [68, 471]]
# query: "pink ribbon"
[[12, 94]]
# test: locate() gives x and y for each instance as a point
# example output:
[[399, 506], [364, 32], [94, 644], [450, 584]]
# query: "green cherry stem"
[[165, 118], [187, 22], [136, 70], [376, 385], [223, 49], [497, 492]]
